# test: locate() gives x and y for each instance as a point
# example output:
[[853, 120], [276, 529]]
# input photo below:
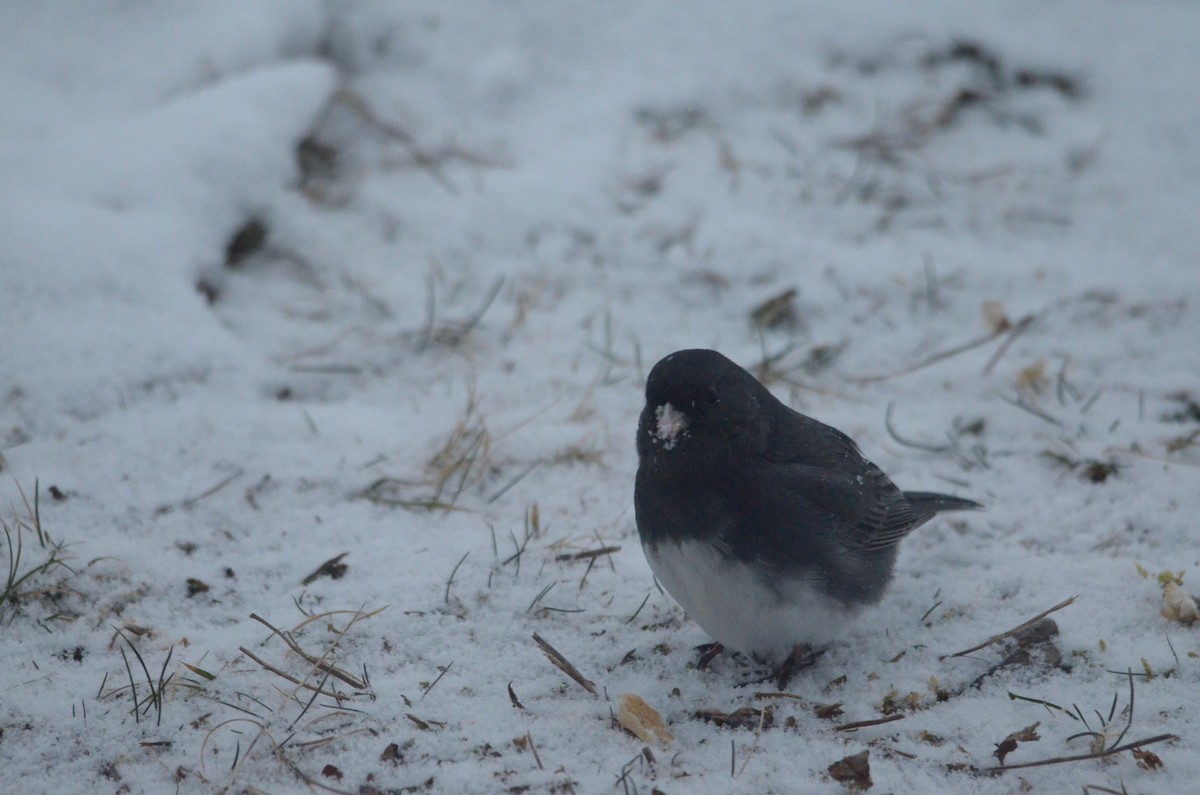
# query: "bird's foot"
[[802, 656]]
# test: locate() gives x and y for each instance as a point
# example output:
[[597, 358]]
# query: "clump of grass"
[[299, 722], [156, 686], [467, 444], [461, 461], [1101, 743], [23, 574]]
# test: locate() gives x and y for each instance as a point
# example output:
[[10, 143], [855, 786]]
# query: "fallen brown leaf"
[[1009, 744], [854, 771], [642, 720], [1147, 760]]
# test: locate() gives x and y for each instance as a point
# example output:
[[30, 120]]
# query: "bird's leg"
[[802, 656], [708, 653]]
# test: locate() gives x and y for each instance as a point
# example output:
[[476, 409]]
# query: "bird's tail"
[[935, 503]]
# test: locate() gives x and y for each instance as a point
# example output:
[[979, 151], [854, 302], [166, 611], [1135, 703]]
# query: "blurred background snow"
[[293, 279]]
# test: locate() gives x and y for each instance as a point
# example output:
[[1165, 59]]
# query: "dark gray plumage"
[[767, 526]]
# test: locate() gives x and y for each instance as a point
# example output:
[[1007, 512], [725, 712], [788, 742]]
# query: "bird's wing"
[[866, 511], [848, 496]]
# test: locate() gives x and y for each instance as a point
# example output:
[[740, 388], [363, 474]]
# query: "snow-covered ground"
[[285, 280]]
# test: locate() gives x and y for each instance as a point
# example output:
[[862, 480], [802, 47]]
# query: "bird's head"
[[701, 411]]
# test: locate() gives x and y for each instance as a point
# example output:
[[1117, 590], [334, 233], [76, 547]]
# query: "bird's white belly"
[[731, 602]]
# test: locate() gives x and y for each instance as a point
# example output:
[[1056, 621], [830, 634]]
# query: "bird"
[[770, 529]]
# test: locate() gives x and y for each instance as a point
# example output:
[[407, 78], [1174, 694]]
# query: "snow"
[[483, 228]]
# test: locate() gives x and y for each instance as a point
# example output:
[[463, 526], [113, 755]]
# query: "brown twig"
[[779, 694], [861, 724], [588, 553], [333, 694], [1019, 327], [355, 617], [564, 665], [762, 723], [533, 748], [1058, 760], [190, 501], [422, 158], [997, 638], [934, 359], [348, 678], [887, 424], [1034, 410]]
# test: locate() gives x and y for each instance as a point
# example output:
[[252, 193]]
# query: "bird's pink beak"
[[671, 423]]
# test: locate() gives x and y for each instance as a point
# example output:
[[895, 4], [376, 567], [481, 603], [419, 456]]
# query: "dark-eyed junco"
[[770, 529]]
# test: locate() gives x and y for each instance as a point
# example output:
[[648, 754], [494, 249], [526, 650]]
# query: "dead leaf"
[[642, 720], [195, 586], [394, 752], [854, 771], [1009, 744], [1147, 760]]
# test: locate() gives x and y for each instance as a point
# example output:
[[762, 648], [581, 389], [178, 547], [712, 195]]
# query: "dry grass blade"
[[630, 620], [345, 676], [997, 638], [513, 481], [317, 665], [450, 579], [262, 730], [588, 553], [382, 492], [564, 665], [766, 717], [779, 694], [433, 684], [1023, 405], [887, 424], [862, 724], [1058, 760], [468, 442], [431, 160], [450, 334], [332, 694], [1088, 789], [190, 501], [462, 460], [137, 718], [536, 757], [942, 355], [1013, 332], [355, 617]]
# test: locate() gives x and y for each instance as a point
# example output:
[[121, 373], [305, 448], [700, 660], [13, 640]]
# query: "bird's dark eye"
[[711, 395]]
